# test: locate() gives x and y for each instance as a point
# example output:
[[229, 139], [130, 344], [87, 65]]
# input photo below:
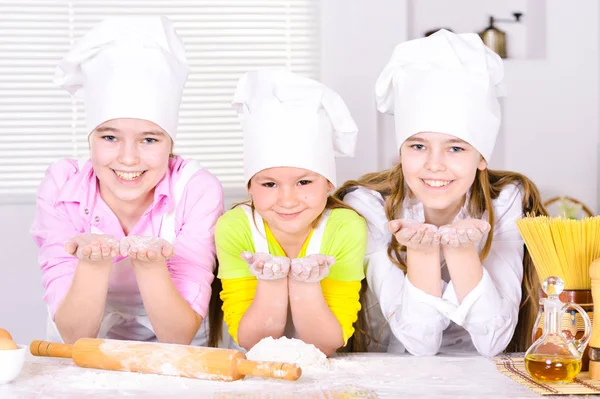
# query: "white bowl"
[[11, 363]]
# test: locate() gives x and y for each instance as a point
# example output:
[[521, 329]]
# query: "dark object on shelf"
[[494, 38]]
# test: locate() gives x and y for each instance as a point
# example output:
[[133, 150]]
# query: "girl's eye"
[[456, 149], [109, 138], [417, 147], [304, 182], [150, 140], [269, 184]]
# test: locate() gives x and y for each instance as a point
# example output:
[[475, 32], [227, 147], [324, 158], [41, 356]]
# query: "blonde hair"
[[486, 187]]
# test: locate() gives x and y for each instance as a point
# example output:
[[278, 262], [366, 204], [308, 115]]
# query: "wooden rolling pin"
[[594, 344], [165, 359]]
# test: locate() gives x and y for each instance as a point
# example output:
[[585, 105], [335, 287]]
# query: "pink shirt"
[[69, 203]]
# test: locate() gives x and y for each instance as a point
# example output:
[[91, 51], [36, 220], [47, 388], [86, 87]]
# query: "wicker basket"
[[584, 208]]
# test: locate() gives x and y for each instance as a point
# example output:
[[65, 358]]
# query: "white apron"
[[125, 317], [261, 245]]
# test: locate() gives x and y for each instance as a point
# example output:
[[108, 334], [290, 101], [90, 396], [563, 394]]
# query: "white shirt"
[[424, 324]]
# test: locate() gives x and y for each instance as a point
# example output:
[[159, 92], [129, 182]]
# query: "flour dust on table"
[[289, 350]]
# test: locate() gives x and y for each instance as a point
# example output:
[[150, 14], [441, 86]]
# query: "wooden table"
[[350, 376]]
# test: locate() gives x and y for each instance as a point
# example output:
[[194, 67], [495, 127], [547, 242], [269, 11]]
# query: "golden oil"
[[552, 368]]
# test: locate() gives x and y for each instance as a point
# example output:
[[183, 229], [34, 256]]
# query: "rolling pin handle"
[[50, 349]]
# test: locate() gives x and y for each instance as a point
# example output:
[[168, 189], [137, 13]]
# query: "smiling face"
[[289, 199], [439, 169], [129, 157]]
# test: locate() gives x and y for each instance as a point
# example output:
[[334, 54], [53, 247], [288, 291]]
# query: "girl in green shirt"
[[291, 260]]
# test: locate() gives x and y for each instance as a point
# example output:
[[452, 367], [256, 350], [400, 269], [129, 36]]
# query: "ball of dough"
[[5, 334], [7, 344]]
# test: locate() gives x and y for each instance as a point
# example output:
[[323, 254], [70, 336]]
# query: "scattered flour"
[[289, 351], [357, 376]]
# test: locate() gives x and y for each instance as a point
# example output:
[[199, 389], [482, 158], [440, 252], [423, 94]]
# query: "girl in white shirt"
[[445, 260]]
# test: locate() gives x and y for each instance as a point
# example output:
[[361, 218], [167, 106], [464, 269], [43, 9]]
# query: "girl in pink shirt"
[[126, 238]]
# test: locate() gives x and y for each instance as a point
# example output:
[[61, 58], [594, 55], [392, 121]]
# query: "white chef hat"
[[127, 67], [289, 120], [445, 83]]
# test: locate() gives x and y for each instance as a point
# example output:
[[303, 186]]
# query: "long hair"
[[215, 312], [357, 343], [487, 187]]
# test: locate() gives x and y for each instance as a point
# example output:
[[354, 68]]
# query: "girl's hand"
[[463, 233], [93, 247], [415, 235], [311, 268], [266, 267], [146, 249]]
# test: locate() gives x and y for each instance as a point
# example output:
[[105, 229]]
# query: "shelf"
[[526, 40]]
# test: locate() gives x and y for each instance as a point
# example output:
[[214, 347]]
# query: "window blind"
[[40, 123]]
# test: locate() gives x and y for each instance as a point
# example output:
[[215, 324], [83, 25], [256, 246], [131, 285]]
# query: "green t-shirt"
[[345, 238]]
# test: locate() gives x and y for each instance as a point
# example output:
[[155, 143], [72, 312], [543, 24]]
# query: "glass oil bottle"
[[554, 358]]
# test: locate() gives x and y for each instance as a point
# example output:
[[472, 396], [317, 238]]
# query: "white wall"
[[22, 310], [550, 131], [551, 117], [357, 40]]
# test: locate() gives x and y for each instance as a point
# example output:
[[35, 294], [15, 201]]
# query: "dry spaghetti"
[[562, 247]]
